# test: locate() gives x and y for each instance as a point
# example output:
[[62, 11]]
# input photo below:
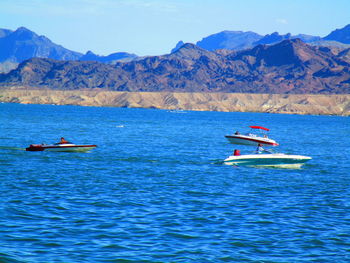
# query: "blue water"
[[155, 189]]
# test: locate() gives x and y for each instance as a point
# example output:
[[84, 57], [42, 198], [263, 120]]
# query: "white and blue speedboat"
[[280, 160]]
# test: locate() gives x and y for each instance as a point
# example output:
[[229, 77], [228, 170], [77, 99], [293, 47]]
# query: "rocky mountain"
[[341, 35], [289, 67]]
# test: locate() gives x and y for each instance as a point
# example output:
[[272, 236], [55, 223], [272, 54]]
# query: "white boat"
[[252, 139], [60, 147], [280, 160]]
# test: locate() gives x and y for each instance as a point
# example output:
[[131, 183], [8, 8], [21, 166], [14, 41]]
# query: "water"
[[155, 189]]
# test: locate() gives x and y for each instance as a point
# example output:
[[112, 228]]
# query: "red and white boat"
[[60, 147], [252, 139]]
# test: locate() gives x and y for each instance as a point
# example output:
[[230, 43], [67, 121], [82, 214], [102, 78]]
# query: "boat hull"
[[250, 140], [268, 160], [60, 148]]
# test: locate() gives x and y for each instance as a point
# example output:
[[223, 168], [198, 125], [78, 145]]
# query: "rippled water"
[[155, 189]]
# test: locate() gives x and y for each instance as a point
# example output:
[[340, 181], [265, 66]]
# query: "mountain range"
[[21, 44], [288, 67]]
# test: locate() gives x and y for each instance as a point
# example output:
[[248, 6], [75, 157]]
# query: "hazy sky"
[[153, 27]]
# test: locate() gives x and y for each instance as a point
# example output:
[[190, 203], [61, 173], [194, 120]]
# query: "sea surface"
[[155, 188]]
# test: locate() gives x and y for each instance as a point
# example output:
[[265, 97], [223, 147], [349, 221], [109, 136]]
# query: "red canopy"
[[259, 127]]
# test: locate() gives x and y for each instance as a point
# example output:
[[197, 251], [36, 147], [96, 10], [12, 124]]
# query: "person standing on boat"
[[260, 149]]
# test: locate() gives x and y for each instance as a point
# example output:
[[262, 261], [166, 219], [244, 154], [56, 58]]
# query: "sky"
[[153, 27]]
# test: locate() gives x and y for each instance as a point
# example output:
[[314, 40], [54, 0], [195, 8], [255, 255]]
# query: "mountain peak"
[[189, 46], [22, 28], [23, 33], [178, 45], [292, 44], [286, 52], [294, 41], [89, 52], [293, 51], [190, 51], [273, 38]]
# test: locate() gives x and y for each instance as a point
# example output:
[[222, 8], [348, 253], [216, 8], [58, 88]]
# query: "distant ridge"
[[239, 40], [276, 37], [110, 59], [233, 40], [341, 35], [21, 44]]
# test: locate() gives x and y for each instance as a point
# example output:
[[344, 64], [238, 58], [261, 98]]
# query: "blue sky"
[[153, 27]]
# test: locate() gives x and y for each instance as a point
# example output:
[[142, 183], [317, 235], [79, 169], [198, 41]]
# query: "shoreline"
[[303, 104]]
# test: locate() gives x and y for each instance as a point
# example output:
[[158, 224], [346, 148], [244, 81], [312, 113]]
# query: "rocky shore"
[[229, 102]]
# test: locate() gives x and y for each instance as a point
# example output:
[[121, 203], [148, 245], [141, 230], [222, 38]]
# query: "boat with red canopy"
[[251, 138]]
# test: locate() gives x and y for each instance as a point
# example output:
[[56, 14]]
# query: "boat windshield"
[[262, 132], [60, 143], [265, 151]]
